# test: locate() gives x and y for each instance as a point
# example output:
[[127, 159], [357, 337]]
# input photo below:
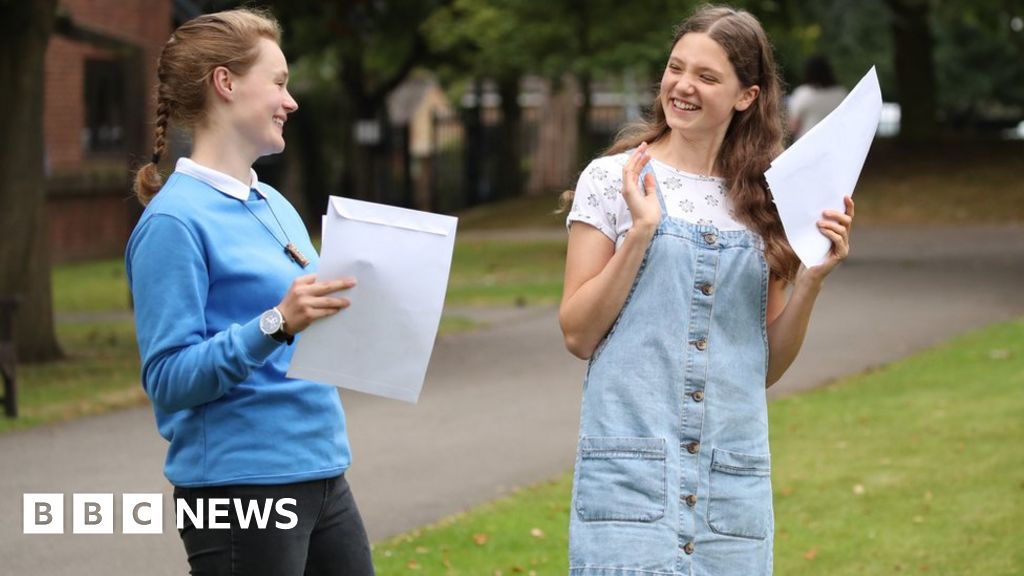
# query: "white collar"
[[219, 180]]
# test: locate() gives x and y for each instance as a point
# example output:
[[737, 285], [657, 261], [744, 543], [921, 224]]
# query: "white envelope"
[[381, 344], [821, 167]]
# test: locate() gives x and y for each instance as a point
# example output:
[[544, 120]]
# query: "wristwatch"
[[272, 324]]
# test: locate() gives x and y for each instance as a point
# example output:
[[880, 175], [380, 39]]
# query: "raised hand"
[[836, 227], [643, 204]]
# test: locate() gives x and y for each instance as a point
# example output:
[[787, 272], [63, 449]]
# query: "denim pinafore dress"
[[672, 469]]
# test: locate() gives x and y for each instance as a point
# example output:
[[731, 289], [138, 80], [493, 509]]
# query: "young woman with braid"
[[222, 274], [675, 290]]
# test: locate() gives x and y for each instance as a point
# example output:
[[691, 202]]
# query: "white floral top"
[[696, 199]]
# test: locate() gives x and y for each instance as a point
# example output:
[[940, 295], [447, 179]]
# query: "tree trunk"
[[474, 147], [24, 255], [553, 166], [510, 171], [586, 148], [915, 70]]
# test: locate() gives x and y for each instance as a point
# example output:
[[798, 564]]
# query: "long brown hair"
[[185, 70], [754, 136]]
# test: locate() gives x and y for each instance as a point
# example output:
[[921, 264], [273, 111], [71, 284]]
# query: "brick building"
[[98, 115]]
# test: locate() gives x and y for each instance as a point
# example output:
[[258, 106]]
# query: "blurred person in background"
[[816, 98]]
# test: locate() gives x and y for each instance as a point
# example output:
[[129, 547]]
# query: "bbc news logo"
[[144, 513]]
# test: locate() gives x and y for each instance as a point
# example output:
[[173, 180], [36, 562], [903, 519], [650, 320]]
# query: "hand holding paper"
[[381, 344], [822, 167]]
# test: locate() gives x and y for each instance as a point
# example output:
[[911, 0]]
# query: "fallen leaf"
[[858, 489], [481, 539], [537, 533], [517, 569], [413, 565], [811, 554]]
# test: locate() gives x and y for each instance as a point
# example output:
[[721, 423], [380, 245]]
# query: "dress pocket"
[[620, 479], [739, 502]]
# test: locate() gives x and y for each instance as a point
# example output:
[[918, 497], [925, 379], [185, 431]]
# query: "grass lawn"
[[958, 182], [96, 286], [951, 183], [484, 273], [503, 273], [101, 372], [913, 469]]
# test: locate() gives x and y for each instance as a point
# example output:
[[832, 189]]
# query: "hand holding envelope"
[[381, 344], [822, 167]]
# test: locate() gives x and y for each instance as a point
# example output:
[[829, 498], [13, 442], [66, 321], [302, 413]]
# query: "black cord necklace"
[[289, 248]]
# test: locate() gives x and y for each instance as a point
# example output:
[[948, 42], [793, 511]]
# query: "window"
[[104, 106]]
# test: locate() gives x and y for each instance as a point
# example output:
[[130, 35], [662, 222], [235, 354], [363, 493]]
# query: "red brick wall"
[[77, 227], [145, 22], [87, 227]]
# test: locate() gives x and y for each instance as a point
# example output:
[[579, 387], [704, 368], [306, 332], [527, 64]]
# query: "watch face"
[[270, 322]]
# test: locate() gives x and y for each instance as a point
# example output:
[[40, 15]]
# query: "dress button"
[[701, 344], [691, 500], [697, 396], [710, 237], [707, 289], [693, 447], [688, 547]]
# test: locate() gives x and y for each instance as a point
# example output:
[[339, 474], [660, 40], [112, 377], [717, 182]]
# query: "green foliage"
[[978, 55], [854, 36], [599, 38], [979, 59], [895, 472], [377, 37]]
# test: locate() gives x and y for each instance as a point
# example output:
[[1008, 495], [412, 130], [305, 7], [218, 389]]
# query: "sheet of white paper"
[[400, 258], [820, 168]]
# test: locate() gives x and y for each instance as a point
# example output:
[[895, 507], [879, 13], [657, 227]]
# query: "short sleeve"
[[598, 192], [799, 102]]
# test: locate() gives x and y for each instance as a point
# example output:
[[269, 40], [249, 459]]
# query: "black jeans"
[[326, 539]]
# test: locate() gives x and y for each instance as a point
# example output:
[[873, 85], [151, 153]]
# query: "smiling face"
[[261, 102], [700, 91]]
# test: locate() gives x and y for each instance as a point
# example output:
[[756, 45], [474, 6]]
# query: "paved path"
[[500, 406]]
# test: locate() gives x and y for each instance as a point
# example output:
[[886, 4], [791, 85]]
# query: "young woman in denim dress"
[[676, 291]]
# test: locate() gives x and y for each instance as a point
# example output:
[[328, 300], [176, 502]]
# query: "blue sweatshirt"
[[202, 269]]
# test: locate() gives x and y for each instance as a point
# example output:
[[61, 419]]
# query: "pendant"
[[295, 255]]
